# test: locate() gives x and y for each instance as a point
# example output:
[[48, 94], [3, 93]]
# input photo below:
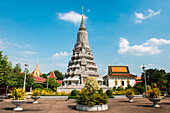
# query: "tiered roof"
[[118, 71], [39, 79], [37, 72], [52, 75]]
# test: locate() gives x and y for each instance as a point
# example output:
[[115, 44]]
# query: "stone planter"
[[91, 108], [18, 103], [35, 99], [130, 97], [155, 101]]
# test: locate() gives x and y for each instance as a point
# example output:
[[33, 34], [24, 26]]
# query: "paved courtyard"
[[140, 105]]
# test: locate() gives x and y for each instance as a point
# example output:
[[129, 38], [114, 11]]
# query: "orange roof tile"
[[119, 69]]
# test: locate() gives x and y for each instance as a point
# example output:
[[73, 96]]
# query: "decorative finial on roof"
[[82, 26], [82, 11]]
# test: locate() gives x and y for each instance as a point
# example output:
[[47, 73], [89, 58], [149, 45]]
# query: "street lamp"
[[143, 67], [26, 64], [47, 81]]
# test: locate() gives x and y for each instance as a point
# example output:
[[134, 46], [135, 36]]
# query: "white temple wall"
[[111, 81]]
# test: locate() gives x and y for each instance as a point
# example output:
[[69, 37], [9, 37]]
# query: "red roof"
[[52, 75], [59, 81], [39, 79]]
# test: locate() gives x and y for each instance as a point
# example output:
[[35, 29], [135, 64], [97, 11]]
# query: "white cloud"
[[4, 44], [71, 17], [1, 44], [59, 65], [61, 54], [150, 47], [88, 10], [29, 52], [140, 16]]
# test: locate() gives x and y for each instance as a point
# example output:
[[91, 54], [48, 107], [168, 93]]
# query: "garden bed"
[[92, 108]]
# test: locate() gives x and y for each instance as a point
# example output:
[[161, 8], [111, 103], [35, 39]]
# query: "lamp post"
[[143, 67], [47, 81], [26, 64]]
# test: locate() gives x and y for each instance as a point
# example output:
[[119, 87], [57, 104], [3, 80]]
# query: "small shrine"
[[119, 76]]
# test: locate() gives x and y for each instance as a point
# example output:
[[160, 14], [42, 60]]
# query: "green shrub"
[[111, 96], [114, 89], [36, 92], [37, 86], [148, 87], [85, 98], [129, 87], [74, 92], [48, 90], [154, 93], [120, 88], [140, 89], [129, 92], [109, 92], [101, 91], [72, 97], [92, 85]]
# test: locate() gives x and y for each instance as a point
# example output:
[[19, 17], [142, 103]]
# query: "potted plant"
[[163, 90], [36, 95], [154, 96], [90, 98], [130, 94], [18, 98]]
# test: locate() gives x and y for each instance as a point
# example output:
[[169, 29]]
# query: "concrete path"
[[140, 105]]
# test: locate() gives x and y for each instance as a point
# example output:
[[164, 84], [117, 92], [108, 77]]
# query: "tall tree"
[[6, 71], [155, 76], [17, 68], [44, 75]]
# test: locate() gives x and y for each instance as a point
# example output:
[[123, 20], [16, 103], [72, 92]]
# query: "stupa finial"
[[82, 11], [82, 26]]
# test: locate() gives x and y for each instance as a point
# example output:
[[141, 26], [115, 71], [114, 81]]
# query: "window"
[[115, 82], [122, 83]]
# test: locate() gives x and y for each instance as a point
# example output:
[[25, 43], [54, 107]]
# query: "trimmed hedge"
[[109, 92], [37, 86], [74, 92], [72, 97]]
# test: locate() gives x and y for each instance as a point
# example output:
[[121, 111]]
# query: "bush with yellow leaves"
[[129, 92], [36, 92], [154, 93], [92, 85], [17, 94]]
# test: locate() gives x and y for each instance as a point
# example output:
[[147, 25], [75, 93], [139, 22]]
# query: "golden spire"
[[82, 12]]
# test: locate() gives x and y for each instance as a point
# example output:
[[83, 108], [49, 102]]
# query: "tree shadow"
[[1, 100], [8, 108], [165, 103], [145, 105], [24, 110], [29, 102], [72, 107]]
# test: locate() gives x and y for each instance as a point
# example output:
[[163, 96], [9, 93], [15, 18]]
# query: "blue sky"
[[121, 32]]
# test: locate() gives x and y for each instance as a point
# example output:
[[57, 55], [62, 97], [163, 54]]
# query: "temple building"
[[52, 75], [37, 74], [119, 76], [81, 64]]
